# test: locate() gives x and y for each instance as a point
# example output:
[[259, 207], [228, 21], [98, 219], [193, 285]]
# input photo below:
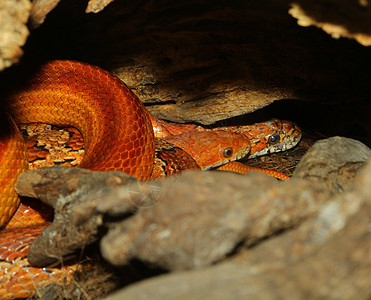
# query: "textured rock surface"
[[202, 217], [333, 162], [337, 268], [268, 239], [13, 30], [185, 58], [184, 222], [327, 256], [39, 11], [96, 6], [351, 19], [73, 193]]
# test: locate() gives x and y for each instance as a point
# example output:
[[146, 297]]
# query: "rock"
[[186, 221], [201, 218], [333, 162], [96, 6], [245, 236], [39, 11], [326, 257], [183, 222], [13, 30], [205, 59], [74, 194], [337, 18]]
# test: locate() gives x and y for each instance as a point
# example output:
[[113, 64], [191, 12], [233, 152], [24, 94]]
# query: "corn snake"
[[59, 94]]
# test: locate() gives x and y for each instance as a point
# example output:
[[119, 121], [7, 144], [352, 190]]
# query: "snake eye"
[[273, 139], [227, 152]]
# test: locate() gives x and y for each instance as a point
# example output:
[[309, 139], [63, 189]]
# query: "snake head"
[[272, 136], [212, 149]]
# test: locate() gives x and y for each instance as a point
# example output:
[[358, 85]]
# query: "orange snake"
[[118, 131]]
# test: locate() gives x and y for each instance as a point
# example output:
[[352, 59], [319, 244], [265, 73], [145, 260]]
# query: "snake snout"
[[290, 136]]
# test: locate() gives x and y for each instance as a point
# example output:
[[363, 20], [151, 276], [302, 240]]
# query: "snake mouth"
[[238, 156]]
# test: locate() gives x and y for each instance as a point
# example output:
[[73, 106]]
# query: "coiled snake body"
[[119, 134]]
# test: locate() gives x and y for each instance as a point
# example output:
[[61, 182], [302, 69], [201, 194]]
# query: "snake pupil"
[[227, 152], [273, 139]]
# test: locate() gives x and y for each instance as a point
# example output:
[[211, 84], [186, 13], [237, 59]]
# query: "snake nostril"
[[227, 152]]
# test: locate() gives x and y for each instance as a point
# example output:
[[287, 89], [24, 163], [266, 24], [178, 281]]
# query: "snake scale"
[[119, 134]]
